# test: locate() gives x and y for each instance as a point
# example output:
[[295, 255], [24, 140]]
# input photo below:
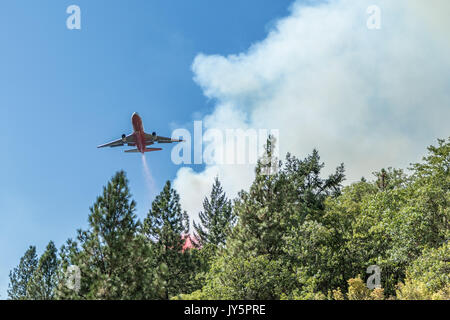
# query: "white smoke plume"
[[150, 182], [368, 98]]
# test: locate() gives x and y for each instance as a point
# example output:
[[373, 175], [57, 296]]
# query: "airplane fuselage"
[[139, 138], [138, 132]]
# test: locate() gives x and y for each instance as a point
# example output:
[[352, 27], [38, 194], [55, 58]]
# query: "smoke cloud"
[[368, 98], [150, 182]]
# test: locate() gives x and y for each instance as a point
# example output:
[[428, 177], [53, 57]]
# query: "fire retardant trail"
[[148, 177]]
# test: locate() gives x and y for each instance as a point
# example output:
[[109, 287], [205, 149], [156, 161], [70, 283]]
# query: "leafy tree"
[[336, 245], [337, 294], [196, 295], [387, 222], [428, 277], [165, 228], [20, 276], [252, 278], [349, 245], [414, 217], [357, 290], [42, 285], [217, 218]]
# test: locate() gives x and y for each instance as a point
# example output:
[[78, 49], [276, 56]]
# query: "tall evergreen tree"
[[216, 219], [281, 201], [260, 210], [20, 276], [164, 227], [42, 285], [113, 259], [389, 179], [258, 262]]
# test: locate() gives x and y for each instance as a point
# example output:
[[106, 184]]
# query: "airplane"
[[139, 138]]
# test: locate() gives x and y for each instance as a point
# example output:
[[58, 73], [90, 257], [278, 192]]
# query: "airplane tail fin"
[[146, 150]]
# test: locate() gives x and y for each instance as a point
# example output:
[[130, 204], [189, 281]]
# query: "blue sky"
[[370, 98], [63, 92]]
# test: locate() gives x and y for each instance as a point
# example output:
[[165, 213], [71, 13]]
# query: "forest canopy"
[[293, 235]]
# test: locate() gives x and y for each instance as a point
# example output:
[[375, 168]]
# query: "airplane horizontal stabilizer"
[[152, 149], [146, 150]]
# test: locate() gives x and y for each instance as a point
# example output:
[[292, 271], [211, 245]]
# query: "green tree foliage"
[[258, 250], [165, 228], [280, 202], [390, 179], [42, 285], [298, 235], [20, 276], [255, 277], [324, 236], [216, 219], [115, 262], [357, 290], [428, 277], [413, 217], [387, 222]]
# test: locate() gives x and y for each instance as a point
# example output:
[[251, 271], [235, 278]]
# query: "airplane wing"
[[167, 140], [150, 139], [129, 139]]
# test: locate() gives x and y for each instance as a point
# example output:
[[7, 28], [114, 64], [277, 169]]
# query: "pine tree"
[[42, 285], [217, 218], [390, 179], [21, 275], [113, 259], [165, 227], [261, 210], [258, 262]]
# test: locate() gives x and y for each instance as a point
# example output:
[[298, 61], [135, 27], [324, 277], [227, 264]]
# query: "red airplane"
[[139, 138]]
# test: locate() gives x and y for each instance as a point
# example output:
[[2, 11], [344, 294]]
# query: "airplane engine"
[[124, 138], [154, 134]]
